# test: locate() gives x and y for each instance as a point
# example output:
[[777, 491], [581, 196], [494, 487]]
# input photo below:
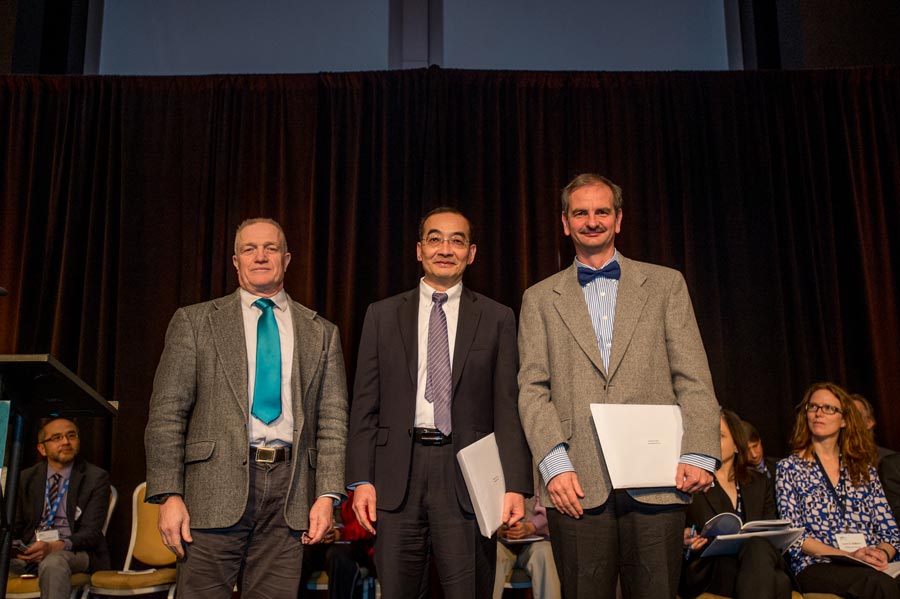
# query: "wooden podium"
[[37, 386]]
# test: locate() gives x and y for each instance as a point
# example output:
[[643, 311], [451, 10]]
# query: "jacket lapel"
[[630, 300], [227, 326], [39, 489], [308, 355], [718, 500], [573, 311], [466, 325], [408, 320], [75, 479]]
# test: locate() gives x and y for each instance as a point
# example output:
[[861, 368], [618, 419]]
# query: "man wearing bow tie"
[[611, 330], [436, 372]]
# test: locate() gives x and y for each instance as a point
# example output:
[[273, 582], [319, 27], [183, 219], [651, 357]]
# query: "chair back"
[[146, 543], [113, 500]]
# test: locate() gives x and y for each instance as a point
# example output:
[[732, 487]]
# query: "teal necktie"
[[267, 389]]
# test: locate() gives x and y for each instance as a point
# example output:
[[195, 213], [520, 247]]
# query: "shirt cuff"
[[352, 487], [708, 463], [336, 497], [556, 462]]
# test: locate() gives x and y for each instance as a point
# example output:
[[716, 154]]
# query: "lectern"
[[37, 386]]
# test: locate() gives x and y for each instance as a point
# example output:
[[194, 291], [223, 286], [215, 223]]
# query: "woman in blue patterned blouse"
[[829, 487]]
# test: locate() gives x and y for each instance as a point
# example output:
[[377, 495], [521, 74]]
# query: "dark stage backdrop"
[[776, 193]]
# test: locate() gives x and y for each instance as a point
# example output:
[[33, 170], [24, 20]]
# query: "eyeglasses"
[[812, 408], [457, 242], [71, 436]]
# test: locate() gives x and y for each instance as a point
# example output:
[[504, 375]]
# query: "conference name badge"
[[850, 541], [47, 536]]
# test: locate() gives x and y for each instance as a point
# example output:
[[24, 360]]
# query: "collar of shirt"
[[64, 474], [615, 256], [280, 299], [426, 291]]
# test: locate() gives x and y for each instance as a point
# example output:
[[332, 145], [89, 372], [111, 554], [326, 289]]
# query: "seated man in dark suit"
[[61, 508], [889, 473], [868, 414]]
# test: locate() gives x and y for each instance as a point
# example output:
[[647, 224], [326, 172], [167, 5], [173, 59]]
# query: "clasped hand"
[[872, 556]]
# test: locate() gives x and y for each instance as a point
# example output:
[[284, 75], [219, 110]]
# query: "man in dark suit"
[[61, 508], [756, 453], [611, 330], [243, 484], [868, 415], [436, 373]]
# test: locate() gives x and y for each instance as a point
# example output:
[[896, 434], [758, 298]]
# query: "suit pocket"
[[381, 437], [198, 451], [313, 455]]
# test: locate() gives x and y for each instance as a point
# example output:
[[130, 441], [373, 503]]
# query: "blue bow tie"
[[610, 271]]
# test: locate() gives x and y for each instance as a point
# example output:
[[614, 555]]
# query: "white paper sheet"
[[483, 473], [641, 443]]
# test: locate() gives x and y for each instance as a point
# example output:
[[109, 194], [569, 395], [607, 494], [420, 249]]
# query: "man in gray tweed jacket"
[[243, 483]]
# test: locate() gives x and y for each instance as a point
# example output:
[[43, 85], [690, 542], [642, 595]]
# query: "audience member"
[[60, 511], [828, 487], [756, 456], [525, 545], [868, 416], [889, 473], [758, 568]]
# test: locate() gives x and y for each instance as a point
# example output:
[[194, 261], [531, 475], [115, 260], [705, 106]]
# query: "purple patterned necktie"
[[437, 378], [52, 494]]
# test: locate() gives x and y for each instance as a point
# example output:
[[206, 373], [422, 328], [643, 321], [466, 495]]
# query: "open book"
[[729, 533], [727, 523]]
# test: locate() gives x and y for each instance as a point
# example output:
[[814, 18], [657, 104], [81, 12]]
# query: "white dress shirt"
[[424, 409], [281, 430]]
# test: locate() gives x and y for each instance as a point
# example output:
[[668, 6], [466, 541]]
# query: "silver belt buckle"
[[265, 455]]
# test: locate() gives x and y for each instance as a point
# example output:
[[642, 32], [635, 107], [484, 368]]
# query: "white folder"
[[483, 473], [641, 443]]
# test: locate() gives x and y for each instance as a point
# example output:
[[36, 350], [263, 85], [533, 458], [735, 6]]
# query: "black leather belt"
[[430, 436], [270, 455]]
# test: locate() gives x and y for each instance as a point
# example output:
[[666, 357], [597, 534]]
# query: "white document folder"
[[483, 473], [641, 443]]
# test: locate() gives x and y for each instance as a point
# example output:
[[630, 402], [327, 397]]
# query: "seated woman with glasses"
[[758, 568], [829, 487]]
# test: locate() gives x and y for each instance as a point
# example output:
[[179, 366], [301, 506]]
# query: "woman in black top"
[[758, 569]]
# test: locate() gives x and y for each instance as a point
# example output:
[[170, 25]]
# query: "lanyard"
[[52, 509], [838, 499]]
